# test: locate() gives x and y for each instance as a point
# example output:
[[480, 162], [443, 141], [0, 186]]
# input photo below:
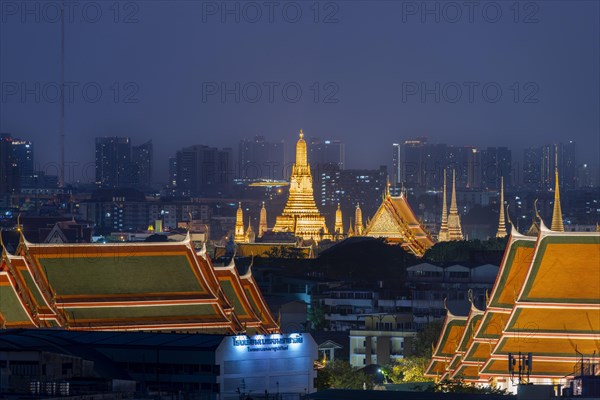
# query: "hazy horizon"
[[368, 73]]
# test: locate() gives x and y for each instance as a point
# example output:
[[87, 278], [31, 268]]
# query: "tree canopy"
[[340, 374]]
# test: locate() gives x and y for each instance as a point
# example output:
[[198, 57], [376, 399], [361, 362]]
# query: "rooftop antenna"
[[62, 97]]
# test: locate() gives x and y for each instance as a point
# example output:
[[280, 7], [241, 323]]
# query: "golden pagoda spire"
[[301, 157], [350, 230], [387, 188], [501, 223], [358, 222], [557, 220], [443, 234], [339, 224], [262, 224], [239, 235], [454, 228], [301, 215], [249, 237]]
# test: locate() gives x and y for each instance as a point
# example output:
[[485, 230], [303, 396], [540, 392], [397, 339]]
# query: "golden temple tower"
[[250, 236], [300, 214], [557, 220], [262, 224], [339, 224], [350, 230], [443, 234], [358, 222], [239, 236], [454, 228], [501, 223]]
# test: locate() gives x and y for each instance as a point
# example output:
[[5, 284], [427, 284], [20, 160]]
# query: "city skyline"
[[195, 92], [243, 163]]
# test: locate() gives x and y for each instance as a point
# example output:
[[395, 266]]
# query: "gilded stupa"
[[454, 228], [358, 221], [339, 225], [501, 222], [300, 214], [443, 234], [240, 234], [557, 220], [262, 225]]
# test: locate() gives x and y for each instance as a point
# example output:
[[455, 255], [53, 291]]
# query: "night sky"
[[370, 73]]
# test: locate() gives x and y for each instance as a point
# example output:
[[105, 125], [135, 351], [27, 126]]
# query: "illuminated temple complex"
[[545, 301], [128, 286], [301, 215], [394, 220]]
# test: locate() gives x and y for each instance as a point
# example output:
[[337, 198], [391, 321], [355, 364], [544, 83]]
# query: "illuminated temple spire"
[[239, 225], [301, 215], [454, 228], [339, 224], [443, 234], [250, 236], [501, 223], [262, 224], [557, 220], [350, 229], [358, 221]]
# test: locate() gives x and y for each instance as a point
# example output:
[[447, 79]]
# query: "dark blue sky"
[[362, 74]]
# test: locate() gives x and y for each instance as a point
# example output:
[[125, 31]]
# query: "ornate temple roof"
[[395, 221], [445, 349], [121, 286], [546, 300]]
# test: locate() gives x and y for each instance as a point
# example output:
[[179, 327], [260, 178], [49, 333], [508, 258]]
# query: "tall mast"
[[62, 97]]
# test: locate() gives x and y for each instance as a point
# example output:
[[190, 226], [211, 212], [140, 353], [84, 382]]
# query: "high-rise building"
[[113, 162], [204, 171], [532, 167], [327, 152], [142, 161], [466, 161], [328, 186], [569, 164], [9, 170], [547, 165], [172, 185], [421, 163], [362, 186], [348, 187], [23, 156], [586, 176], [473, 168], [411, 161], [259, 159], [539, 164], [496, 162]]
